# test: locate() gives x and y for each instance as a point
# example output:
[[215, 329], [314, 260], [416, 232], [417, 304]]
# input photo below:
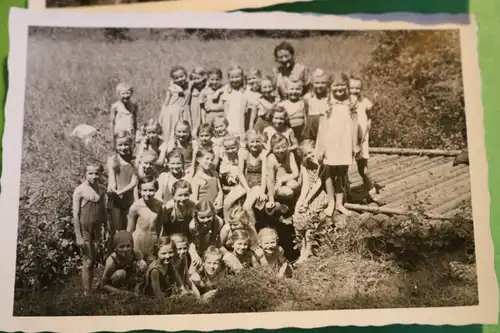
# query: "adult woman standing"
[[288, 70]]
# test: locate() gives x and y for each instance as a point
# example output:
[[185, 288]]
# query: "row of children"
[[274, 145]]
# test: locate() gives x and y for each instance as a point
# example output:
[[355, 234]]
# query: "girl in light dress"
[[288, 69], [146, 218], [122, 179], [312, 199], [337, 141], [176, 105], [363, 107], [166, 180], [123, 113], [89, 215], [267, 101], [316, 103], [280, 123], [198, 78], [235, 103], [212, 104], [252, 92], [205, 182]]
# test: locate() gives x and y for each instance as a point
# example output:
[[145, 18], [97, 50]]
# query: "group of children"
[[187, 192]]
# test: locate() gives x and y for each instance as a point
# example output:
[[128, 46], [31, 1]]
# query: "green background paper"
[[486, 13]]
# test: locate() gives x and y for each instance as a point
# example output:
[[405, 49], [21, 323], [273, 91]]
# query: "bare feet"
[[341, 209], [330, 209]]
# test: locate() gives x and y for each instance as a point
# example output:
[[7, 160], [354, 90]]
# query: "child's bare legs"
[[367, 181], [330, 193], [236, 193], [339, 187], [88, 266], [249, 203], [117, 221]]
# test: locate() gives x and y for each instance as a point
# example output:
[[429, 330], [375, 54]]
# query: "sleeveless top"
[[127, 264], [285, 166], [124, 118], [177, 222], [253, 170], [208, 191], [167, 279], [91, 207], [122, 178]]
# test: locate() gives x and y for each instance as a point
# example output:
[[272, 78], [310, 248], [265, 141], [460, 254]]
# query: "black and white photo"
[[273, 169]]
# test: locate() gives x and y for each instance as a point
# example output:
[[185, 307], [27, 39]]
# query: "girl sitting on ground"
[[270, 254], [125, 267], [184, 262], [89, 215], [242, 249], [162, 278]]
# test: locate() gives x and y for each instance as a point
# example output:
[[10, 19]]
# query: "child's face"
[[279, 120], [220, 128], [182, 249], [268, 243], [240, 246], [254, 144], [236, 224], [147, 165], [266, 87], [319, 84], [280, 148], [124, 250], [355, 87], [166, 254], [151, 132], [148, 190], [214, 81], [179, 77], [92, 175], [339, 90], [181, 196], [254, 82], [123, 146], [198, 80], [230, 148], [182, 132], [205, 218], [212, 264], [294, 92], [205, 161], [284, 58], [205, 137], [235, 78], [175, 165], [125, 95], [309, 154]]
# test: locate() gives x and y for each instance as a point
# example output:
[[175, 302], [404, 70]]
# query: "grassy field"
[[72, 75]]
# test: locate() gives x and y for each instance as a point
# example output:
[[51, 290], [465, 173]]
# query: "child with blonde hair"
[[363, 108], [264, 104], [146, 218], [184, 142], [124, 269], [242, 249], [198, 78], [237, 218], [280, 123], [149, 140], [208, 278], [317, 102], [283, 172], [166, 180], [205, 183], [337, 141], [89, 215], [295, 108], [176, 105], [122, 179], [185, 261], [212, 104], [312, 199], [252, 94], [147, 166], [162, 278], [205, 139], [235, 103], [270, 254], [123, 113]]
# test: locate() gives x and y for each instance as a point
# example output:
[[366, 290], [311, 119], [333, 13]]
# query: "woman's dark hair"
[[284, 46]]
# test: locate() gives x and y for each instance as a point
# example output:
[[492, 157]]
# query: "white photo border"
[[486, 312]]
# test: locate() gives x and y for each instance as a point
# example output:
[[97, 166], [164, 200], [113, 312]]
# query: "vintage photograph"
[[194, 171]]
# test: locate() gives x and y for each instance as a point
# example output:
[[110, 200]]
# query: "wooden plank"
[[450, 205], [410, 151], [378, 171]]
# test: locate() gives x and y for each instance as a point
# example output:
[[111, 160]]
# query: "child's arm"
[[314, 190], [255, 262], [111, 175], [163, 154], [109, 269], [130, 186], [304, 188], [294, 142], [292, 175], [224, 234], [284, 263], [220, 194], [178, 279], [77, 198], [155, 284], [242, 155], [271, 178], [133, 214], [195, 188], [264, 171], [253, 115]]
